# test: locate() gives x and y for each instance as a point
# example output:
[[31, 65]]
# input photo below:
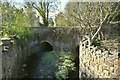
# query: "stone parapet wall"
[[98, 63], [13, 56]]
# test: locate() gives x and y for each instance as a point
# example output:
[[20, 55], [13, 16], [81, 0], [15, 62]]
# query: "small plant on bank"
[[96, 42], [61, 63], [65, 65]]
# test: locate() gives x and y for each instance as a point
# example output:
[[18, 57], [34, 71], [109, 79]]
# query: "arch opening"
[[46, 46]]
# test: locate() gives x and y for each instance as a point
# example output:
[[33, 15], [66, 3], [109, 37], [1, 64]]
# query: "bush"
[[22, 34], [65, 65], [61, 63]]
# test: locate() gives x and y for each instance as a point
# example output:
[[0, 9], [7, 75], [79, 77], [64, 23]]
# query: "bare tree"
[[90, 16], [43, 8]]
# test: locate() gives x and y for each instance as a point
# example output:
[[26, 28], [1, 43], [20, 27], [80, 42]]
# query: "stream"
[[36, 67]]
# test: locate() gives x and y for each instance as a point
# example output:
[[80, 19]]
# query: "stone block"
[[82, 68], [101, 75], [118, 70], [115, 70], [116, 54], [100, 68], [103, 64], [105, 54], [87, 70], [81, 65], [113, 75], [111, 70], [91, 68], [83, 61], [96, 69], [96, 74], [91, 59], [87, 64], [98, 61], [116, 61], [109, 63], [102, 60], [116, 67], [106, 73], [92, 64], [93, 54], [6, 41], [98, 52], [91, 51], [106, 67], [94, 57]]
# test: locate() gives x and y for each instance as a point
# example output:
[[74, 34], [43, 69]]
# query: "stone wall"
[[66, 39], [97, 62], [14, 55]]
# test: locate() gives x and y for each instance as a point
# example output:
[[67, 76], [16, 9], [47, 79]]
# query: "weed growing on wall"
[[96, 42]]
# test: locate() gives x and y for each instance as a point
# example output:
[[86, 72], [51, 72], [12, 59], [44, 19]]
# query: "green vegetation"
[[90, 17], [65, 65], [17, 22], [50, 59], [62, 62], [96, 42], [22, 34], [85, 15]]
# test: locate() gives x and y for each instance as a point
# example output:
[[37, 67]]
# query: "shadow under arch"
[[46, 46]]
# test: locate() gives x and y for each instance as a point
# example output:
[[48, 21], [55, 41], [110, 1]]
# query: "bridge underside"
[[46, 46]]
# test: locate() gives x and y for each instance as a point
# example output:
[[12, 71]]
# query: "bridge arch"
[[46, 45]]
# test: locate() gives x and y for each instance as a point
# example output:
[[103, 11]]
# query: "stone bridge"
[[65, 39]]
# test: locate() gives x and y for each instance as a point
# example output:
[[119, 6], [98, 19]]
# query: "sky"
[[20, 3]]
